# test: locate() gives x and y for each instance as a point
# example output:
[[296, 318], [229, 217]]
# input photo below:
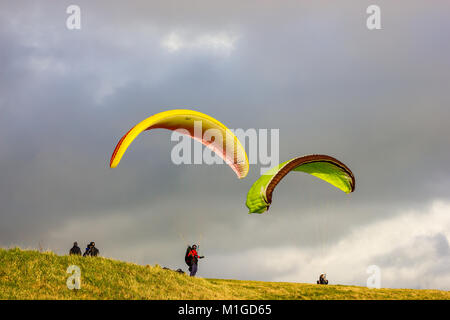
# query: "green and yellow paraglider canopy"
[[324, 167]]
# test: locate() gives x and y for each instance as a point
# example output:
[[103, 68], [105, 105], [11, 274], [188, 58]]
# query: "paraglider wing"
[[228, 148], [323, 167]]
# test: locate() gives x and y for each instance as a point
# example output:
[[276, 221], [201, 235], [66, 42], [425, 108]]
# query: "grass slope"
[[26, 274]]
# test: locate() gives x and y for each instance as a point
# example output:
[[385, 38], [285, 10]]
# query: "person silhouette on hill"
[[322, 279], [75, 249], [91, 250]]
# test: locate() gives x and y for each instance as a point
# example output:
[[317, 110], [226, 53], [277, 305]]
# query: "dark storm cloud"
[[376, 100]]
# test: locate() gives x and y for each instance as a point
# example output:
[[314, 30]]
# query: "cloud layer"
[[411, 249]]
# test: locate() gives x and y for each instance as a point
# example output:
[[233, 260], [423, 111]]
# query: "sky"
[[378, 100]]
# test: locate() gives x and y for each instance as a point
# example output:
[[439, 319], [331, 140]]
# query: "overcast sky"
[[377, 100]]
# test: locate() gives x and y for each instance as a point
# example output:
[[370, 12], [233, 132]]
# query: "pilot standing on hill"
[[194, 256]]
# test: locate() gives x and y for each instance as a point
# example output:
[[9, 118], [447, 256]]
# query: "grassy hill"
[[26, 274]]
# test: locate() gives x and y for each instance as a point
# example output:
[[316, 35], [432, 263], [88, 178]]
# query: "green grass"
[[27, 274]]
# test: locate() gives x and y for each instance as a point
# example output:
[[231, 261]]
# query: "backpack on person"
[[187, 257]]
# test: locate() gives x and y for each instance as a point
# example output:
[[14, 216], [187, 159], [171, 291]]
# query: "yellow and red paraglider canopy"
[[186, 121]]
